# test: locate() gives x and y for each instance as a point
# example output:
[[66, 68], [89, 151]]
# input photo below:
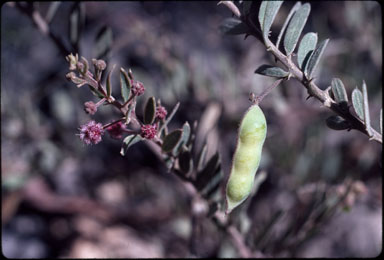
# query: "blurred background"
[[61, 198]]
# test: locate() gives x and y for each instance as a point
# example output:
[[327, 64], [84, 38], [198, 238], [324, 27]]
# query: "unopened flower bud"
[[138, 88], [72, 61], [99, 64], [90, 107], [116, 130], [161, 112]]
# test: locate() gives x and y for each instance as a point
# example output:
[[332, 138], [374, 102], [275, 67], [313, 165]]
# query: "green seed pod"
[[252, 132]]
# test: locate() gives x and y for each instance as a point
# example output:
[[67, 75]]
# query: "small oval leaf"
[[367, 118], [96, 92], [381, 121], [128, 142], [233, 26], [295, 27], [315, 58], [125, 84], [337, 123], [201, 160], [339, 91], [271, 71], [306, 48], [150, 111], [357, 102], [204, 176], [184, 138], [185, 162], [171, 140], [263, 6], [109, 84], [291, 13], [270, 13]]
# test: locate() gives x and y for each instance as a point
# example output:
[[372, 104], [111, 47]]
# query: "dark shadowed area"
[[62, 198]]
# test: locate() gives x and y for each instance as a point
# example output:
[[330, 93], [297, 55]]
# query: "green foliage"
[[295, 27]]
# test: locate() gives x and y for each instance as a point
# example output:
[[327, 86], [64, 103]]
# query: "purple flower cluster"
[[116, 130], [148, 131], [137, 88], [91, 132], [161, 112]]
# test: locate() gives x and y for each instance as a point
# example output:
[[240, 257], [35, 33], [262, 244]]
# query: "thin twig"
[[42, 26]]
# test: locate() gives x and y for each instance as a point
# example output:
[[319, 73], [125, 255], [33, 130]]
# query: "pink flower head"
[[116, 130], [161, 112], [90, 107], [148, 131], [91, 132], [137, 88]]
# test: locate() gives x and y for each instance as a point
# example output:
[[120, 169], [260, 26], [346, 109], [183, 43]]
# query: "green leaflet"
[[271, 71], [171, 140], [185, 162], [381, 121], [233, 26], [315, 58], [295, 27], [337, 123], [206, 174], [293, 10], [125, 84], [306, 48], [128, 142], [367, 119], [184, 138], [270, 13], [109, 85], [357, 102], [150, 111], [263, 6], [339, 91]]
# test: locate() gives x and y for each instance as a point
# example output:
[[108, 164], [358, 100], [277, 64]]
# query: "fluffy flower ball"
[[91, 132], [161, 112], [138, 88], [148, 131]]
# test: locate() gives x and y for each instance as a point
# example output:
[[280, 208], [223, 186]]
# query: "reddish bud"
[[137, 88], [148, 131], [116, 130], [90, 107], [161, 112]]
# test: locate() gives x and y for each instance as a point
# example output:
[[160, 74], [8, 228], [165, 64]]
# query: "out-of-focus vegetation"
[[63, 199]]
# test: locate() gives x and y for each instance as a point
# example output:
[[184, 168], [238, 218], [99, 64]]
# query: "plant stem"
[[312, 88]]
